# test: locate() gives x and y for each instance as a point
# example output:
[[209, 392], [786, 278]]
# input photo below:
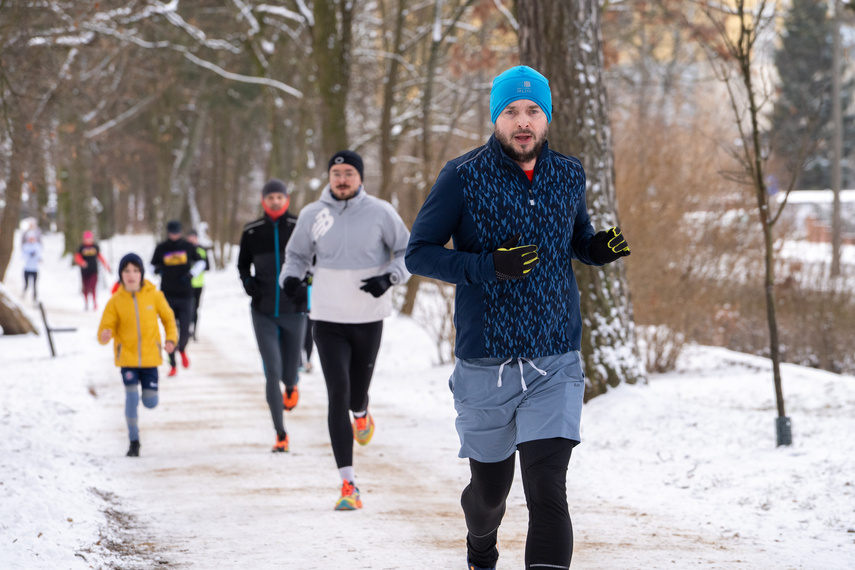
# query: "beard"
[[507, 143]]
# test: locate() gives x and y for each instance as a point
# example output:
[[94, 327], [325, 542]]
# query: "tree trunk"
[[331, 38], [758, 177], [75, 200], [13, 320], [11, 214], [837, 143], [563, 41], [386, 138]]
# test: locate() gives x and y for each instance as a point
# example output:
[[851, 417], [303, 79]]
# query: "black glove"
[[378, 284], [290, 287], [608, 246], [514, 262], [251, 286], [186, 278]]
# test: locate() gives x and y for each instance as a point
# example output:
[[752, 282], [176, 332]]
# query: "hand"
[[514, 262], [251, 286], [105, 335], [290, 287], [378, 284], [608, 246], [169, 346]]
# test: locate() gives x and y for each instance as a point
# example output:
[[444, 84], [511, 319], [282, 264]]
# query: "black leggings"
[[347, 353], [30, 275], [183, 309], [543, 464]]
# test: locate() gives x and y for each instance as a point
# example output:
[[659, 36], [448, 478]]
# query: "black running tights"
[[543, 464], [347, 353], [183, 309]]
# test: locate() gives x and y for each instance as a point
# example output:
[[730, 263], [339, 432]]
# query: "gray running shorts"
[[501, 403]]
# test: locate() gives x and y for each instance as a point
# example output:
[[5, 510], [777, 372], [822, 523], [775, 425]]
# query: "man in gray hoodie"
[[358, 242]]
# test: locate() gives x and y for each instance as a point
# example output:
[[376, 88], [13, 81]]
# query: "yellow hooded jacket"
[[132, 317]]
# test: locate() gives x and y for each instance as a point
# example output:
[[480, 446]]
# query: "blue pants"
[[131, 377]]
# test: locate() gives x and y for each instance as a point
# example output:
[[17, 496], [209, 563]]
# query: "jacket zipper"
[[276, 280], [139, 331]]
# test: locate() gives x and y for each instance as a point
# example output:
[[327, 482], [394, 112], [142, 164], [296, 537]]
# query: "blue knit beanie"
[[521, 82]]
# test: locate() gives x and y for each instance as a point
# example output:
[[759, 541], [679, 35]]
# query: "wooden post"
[[50, 330]]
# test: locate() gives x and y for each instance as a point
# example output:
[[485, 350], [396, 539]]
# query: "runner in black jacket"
[[177, 262], [279, 323]]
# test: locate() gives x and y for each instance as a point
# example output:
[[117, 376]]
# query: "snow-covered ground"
[[681, 473]]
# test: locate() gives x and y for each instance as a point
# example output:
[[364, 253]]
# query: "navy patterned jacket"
[[480, 200]]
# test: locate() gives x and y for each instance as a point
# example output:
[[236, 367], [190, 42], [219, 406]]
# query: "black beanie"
[[347, 157], [132, 258], [274, 186], [173, 227]]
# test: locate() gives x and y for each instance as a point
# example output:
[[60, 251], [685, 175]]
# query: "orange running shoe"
[[281, 445], [185, 362], [363, 429], [290, 400], [173, 371], [349, 500]]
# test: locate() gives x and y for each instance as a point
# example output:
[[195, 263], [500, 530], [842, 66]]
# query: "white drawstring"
[[522, 376], [501, 369]]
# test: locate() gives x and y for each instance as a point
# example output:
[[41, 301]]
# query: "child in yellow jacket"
[[130, 319]]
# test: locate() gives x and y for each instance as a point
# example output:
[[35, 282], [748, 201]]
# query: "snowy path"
[[210, 440], [681, 473]]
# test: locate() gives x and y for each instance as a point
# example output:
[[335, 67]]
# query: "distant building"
[[809, 211]]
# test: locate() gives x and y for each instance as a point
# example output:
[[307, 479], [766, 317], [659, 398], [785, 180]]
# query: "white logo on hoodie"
[[323, 222]]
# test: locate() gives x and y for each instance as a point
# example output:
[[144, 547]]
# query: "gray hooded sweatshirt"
[[352, 240]]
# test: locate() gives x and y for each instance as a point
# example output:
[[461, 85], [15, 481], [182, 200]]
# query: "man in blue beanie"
[[516, 213]]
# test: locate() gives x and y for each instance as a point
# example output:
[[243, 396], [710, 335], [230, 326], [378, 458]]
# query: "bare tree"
[[563, 41], [734, 56]]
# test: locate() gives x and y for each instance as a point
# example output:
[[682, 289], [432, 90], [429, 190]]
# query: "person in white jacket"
[[32, 252], [358, 244]]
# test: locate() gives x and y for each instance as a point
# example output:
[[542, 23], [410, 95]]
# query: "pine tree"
[[801, 117]]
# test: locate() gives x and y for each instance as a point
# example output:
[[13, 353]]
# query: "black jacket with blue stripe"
[[262, 248]]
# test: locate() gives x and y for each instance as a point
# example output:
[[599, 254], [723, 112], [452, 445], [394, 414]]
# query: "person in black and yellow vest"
[[177, 262], [197, 282]]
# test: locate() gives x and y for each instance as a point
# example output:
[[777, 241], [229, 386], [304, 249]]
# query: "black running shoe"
[[134, 449]]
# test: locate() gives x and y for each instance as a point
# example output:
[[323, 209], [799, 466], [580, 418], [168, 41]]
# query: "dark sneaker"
[[134, 449], [471, 566]]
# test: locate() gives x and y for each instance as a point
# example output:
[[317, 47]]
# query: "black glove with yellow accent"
[[514, 262], [608, 245]]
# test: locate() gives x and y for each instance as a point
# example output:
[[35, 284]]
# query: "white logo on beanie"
[[323, 222], [339, 160]]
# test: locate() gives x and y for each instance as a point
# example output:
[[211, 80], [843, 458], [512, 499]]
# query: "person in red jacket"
[[88, 257]]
